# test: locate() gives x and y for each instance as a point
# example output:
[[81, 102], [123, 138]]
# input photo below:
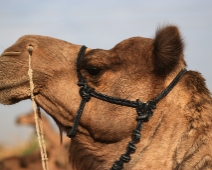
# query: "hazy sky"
[[102, 24]]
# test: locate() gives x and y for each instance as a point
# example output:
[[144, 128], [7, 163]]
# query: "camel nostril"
[[12, 53], [30, 48]]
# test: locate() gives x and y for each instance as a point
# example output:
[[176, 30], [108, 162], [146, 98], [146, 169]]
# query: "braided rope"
[[37, 117]]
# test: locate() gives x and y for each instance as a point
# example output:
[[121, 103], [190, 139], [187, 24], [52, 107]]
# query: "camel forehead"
[[127, 48], [133, 42], [128, 45]]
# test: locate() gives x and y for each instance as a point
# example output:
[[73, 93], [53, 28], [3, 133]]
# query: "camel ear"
[[167, 50]]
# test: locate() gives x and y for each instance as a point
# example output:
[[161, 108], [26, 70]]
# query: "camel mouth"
[[12, 100], [11, 94], [11, 53]]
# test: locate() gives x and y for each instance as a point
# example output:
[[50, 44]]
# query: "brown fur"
[[177, 136]]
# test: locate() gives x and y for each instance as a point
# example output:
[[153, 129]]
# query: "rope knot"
[[85, 91], [117, 165], [131, 147], [145, 110]]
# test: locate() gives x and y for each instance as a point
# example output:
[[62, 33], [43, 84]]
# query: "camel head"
[[29, 119], [26, 119], [136, 68]]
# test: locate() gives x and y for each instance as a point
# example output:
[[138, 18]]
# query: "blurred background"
[[101, 24]]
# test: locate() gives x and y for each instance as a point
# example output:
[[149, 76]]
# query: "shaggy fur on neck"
[[81, 157]]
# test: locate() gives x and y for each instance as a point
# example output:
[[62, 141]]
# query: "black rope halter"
[[144, 110]]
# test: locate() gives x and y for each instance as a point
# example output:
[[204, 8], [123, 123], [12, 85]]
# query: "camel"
[[51, 135], [58, 152], [31, 162], [132, 107]]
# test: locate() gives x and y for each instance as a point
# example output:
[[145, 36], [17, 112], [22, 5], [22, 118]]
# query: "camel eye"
[[94, 71]]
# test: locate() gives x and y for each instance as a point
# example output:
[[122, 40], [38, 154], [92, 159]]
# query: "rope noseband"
[[144, 110]]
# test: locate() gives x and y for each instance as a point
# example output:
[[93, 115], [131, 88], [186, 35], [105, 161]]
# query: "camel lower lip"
[[7, 87], [8, 90], [10, 86]]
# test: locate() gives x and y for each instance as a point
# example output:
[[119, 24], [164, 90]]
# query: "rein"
[[144, 109], [37, 115]]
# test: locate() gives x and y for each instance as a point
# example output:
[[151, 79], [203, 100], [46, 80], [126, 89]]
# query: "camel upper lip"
[[10, 53]]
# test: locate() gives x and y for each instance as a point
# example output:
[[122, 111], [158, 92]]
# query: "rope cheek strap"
[[37, 116], [144, 110], [84, 93]]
